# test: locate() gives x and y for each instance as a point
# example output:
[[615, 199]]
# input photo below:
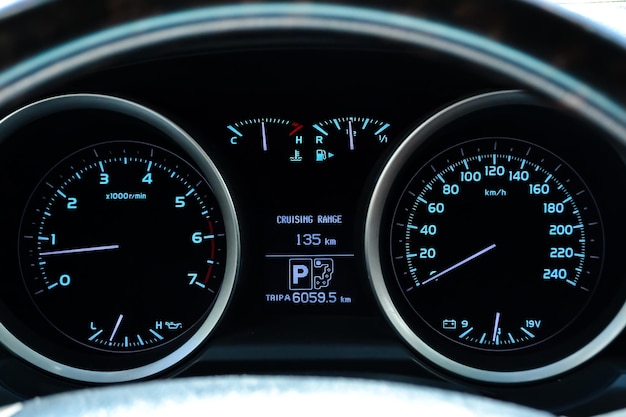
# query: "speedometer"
[[485, 243], [505, 236]]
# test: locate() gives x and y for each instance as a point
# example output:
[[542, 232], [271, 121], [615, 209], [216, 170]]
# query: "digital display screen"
[[309, 179], [310, 260]]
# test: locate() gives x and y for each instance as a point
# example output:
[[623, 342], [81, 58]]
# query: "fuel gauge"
[[350, 133]]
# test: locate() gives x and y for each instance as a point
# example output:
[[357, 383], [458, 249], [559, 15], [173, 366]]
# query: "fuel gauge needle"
[[351, 135], [80, 250], [460, 263]]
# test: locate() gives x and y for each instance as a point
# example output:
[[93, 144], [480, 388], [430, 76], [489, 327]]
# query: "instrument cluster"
[[160, 229]]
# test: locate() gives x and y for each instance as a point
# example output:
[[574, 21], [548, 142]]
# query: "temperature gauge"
[[268, 134]]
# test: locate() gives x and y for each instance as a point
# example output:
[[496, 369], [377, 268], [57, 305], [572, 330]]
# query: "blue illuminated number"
[[519, 176], [428, 229], [193, 277], [561, 253], [561, 230], [53, 239], [147, 178], [436, 208], [536, 189], [469, 176], [428, 253], [553, 208], [196, 237], [179, 201], [554, 273], [494, 170], [450, 189], [64, 280], [72, 203], [104, 178]]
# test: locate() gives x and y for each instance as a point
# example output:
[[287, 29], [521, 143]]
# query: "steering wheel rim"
[[278, 395]]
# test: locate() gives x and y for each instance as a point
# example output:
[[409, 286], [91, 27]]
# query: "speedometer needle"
[[80, 250], [460, 263], [495, 326]]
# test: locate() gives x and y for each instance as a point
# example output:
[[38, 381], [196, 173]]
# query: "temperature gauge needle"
[[264, 134], [460, 263], [80, 250]]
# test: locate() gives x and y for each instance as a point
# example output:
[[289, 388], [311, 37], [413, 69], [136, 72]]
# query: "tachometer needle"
[[458, 264], [80, 250], [117, 326]]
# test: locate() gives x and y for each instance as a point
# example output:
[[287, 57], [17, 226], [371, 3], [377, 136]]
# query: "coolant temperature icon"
[[310, 273]]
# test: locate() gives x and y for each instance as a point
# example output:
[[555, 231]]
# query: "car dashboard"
[[327, 202]]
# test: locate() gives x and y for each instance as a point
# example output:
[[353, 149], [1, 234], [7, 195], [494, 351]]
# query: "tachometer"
[[117, 238], [128, 243]]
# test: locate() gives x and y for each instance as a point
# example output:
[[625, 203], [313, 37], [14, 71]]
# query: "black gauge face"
[[122, 247], [497, 244]]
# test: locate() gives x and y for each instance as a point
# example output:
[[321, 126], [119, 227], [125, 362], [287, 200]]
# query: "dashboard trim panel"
[[112, 43]]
